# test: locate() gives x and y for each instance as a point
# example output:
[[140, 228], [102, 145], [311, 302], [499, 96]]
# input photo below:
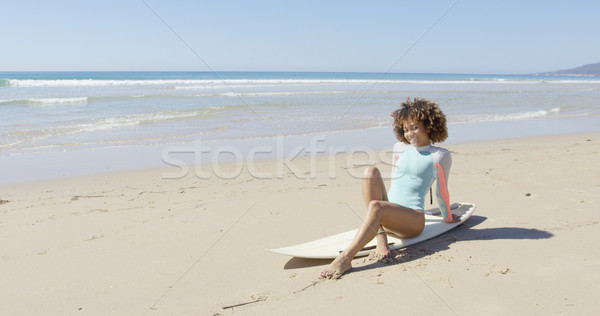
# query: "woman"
[[416, 164]]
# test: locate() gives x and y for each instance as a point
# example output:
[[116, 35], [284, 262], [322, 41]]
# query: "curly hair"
[[421, 110]]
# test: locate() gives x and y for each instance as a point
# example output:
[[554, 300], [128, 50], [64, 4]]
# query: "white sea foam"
[[505, 116], [197, 83], [45, 101], [554, 110], [41, 133], [237, 83], [216, 85], [91, 82], [260, 94], [130, 120], [57, 100]]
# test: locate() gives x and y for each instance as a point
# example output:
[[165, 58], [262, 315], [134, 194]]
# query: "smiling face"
[[416, 133]]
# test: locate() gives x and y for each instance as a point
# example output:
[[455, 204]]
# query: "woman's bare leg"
[[403, 221], [373, 189]]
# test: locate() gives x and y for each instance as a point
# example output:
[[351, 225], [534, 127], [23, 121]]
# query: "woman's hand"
[[455, 219]]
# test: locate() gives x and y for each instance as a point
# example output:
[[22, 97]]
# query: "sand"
[[135, 243]]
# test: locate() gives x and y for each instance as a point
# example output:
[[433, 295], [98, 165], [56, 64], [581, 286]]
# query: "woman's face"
[[416, 133]]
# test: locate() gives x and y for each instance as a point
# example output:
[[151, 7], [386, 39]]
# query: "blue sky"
[[500, 37]]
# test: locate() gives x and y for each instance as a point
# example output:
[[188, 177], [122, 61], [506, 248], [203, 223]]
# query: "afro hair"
[[421, 110]]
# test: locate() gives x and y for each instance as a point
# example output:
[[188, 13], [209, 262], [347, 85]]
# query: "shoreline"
[[134, 242], [281, 162], [63, 165]]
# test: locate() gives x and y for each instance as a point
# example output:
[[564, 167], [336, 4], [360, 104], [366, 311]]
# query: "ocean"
[[60, 116]]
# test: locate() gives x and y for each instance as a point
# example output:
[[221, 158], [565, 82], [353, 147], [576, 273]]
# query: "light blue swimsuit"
[[413, 173]]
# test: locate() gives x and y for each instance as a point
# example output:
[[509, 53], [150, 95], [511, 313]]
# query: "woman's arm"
[[442, 194]]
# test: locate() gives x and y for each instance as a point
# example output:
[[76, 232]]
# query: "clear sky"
[[475, 36]]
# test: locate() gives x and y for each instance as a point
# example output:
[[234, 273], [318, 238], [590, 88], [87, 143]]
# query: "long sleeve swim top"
[[414, 171]]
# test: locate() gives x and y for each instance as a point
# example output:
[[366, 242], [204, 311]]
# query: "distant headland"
[[589, 70]]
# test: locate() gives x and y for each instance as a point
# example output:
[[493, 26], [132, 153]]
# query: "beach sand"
[[135, 243]]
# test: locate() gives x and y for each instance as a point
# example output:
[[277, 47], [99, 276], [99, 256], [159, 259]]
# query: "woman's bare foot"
[[339, 266], [382, 251]]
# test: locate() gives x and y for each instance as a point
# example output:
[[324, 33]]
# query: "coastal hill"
[[585, 70]]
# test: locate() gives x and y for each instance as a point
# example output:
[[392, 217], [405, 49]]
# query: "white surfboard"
[[330, 247]]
